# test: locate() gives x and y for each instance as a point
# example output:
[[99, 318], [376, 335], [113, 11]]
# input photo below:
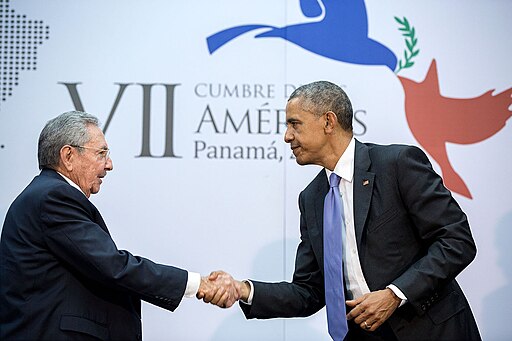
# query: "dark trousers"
[[356, 333]]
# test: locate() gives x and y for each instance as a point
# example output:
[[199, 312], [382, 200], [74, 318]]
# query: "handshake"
[[221, 289]]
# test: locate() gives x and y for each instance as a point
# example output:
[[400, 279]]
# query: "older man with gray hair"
[[62, 276]]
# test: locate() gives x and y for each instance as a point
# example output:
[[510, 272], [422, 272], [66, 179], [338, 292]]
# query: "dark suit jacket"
[[63, 278], [410, 232]]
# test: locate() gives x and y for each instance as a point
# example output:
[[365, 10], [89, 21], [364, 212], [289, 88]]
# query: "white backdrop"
[[196, 208]]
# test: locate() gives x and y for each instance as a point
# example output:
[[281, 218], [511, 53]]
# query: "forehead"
[[295, 110]]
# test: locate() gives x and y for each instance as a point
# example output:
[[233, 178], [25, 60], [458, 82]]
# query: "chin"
[[95, 190], [301, 161]]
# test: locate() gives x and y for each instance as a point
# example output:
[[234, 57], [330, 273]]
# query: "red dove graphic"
[[435, 120]]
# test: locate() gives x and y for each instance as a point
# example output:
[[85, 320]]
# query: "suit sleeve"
[[72, 234], [302, 297], [439, 223]]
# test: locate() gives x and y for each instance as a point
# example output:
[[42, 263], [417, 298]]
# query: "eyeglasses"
[[103, 153]]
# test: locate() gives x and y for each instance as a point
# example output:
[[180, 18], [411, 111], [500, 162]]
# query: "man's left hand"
[[371, 310]]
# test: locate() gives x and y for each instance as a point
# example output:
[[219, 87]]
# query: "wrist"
[[395, 297], [245, 291]]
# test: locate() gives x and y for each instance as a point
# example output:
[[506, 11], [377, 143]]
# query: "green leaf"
[[409, 45], [406, 22], [399, 21], [415, 53]]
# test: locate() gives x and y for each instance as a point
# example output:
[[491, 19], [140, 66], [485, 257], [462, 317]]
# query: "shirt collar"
[[71, 182], [345, 166]]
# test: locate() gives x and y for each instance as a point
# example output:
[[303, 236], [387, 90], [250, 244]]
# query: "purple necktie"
[[333, 265]]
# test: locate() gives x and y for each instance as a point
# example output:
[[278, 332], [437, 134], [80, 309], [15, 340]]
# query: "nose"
[[109, 165], [288, 136]]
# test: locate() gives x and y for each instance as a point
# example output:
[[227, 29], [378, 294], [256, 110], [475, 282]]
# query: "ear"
[[67, 155], [331, 121]]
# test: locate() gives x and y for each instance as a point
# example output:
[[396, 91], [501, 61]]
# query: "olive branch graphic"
[[410, 41]]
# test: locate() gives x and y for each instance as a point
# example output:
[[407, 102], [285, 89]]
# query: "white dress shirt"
[[353, 274]]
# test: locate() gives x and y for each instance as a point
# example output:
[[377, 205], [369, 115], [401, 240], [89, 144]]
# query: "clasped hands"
[[221, 289]]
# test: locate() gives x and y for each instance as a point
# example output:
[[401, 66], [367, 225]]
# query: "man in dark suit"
[[404, 237], [61, 274]]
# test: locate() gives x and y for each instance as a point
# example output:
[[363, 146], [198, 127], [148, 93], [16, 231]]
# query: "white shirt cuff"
[[251, 293], [193, 282], [398, 293]]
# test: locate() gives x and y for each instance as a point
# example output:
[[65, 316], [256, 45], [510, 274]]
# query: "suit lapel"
[[321, 192], [317, 197], [98, 219], [363, 189]]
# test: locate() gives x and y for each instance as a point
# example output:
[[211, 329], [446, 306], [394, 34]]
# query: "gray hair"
[[69, 128], [321, 97]]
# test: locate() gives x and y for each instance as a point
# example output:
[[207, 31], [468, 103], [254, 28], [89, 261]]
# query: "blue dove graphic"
[[341, 33]]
